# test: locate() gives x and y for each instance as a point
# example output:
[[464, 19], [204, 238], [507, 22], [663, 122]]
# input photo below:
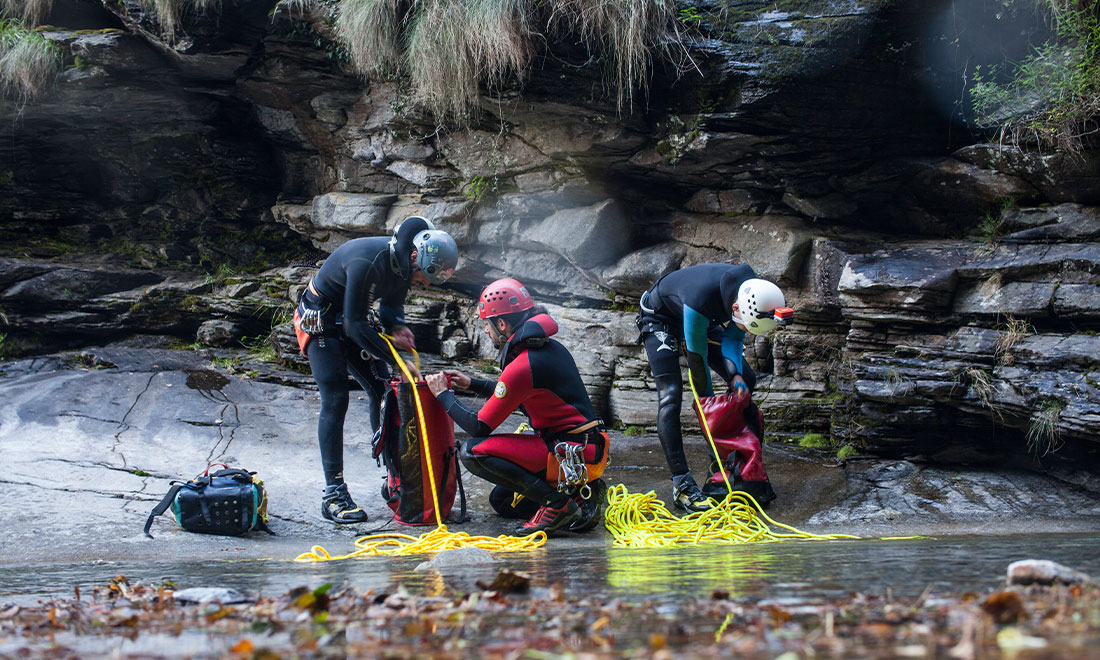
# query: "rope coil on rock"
[[438, 539]]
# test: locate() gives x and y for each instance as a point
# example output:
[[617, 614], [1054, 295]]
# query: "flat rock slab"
[[88, 451]]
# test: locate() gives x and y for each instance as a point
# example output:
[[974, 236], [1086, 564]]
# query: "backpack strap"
[[461, 491], [234, 473], [162, 506]]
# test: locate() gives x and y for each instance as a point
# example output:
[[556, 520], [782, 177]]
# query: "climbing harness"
[[436, 540], [642, 521]]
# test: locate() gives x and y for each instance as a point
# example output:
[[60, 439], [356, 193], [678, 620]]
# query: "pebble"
[[1044, 571], [457, 557], [203, 595]]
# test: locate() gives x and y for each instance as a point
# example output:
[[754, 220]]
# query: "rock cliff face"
[[945, 288]]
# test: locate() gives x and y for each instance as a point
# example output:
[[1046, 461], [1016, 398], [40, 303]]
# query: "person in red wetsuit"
[[540, 378]]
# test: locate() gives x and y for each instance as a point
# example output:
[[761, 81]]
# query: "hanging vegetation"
[[1052, 97], [448, 48], [27, 61]]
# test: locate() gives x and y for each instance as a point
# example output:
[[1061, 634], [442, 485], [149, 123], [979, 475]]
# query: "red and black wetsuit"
[[540, 378]]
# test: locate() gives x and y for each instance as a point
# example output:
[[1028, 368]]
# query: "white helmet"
[[758, 299]]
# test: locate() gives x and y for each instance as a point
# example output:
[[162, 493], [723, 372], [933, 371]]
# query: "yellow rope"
[[438, 539], [643, 521], [638, 520]]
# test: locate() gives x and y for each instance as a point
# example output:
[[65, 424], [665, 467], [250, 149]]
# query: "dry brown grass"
[[1012, 331], [371, 30], [1042, 433], [628, 31], [28, 11], [168, 12], [450, 48], [28, 62]]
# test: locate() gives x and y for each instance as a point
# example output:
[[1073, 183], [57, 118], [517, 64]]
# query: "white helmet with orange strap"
[[762, 306]]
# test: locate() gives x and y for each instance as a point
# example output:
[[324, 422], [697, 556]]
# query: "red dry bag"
[[738, 446], [400, 445]]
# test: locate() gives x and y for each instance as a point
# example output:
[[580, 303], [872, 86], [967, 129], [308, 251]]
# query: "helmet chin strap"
[[498, 338]]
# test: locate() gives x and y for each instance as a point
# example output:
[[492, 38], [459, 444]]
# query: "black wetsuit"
[[355, 276], [692, 306], [540, 378]]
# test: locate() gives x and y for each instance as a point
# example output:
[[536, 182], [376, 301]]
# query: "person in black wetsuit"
[[340, 332], [708, 308], [540, 377]]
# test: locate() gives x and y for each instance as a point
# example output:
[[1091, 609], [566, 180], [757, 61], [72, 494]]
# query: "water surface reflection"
[[780, 570]]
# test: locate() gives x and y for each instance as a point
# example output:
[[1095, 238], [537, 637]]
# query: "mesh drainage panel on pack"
[[399, 445], [738, 445]]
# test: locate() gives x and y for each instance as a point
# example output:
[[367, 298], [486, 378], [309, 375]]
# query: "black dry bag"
[[230, 501]]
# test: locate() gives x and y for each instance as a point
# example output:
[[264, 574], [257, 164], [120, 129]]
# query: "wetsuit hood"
[[532, 333], [728, 287], [401, 245]]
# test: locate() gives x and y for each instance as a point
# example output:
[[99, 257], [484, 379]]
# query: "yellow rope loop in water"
[[438, 539], [643, 521]]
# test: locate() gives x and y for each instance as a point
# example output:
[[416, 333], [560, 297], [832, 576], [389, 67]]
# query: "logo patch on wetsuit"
[[665, 340], [501, 391]]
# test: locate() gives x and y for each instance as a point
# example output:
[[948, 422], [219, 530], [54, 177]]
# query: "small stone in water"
[[457, 557], [203, 595], [1044, 571]]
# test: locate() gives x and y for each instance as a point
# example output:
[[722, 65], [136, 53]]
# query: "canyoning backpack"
[[735, 428], [231, 501], [402, 447]]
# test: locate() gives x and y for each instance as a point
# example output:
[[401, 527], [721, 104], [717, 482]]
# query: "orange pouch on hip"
[[595, 458], [303, 336]]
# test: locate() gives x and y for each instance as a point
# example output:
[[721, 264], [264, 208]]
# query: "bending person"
[[539, 374], [708, 309], [340, 332]]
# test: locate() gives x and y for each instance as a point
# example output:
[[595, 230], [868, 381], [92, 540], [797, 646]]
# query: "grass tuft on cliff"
[[27, 11], [1051, 98], [168, 12], [28, 61], [448, 48]]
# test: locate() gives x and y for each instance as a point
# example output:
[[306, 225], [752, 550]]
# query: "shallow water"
[[803, 570]]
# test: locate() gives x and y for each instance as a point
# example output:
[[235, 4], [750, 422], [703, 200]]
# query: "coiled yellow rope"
[[438, 539], [643, 521], [638, 520]]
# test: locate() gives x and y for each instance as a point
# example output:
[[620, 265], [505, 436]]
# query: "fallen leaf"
[[778, 616], [508, 582], [243, 647], [1005, 607]]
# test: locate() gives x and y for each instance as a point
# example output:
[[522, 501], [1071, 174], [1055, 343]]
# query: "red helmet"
[[504, 296]]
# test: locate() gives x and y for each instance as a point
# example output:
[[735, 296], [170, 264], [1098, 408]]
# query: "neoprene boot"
[[337, 506]]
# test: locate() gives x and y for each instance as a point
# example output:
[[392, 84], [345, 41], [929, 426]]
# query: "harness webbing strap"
[[584, 427]]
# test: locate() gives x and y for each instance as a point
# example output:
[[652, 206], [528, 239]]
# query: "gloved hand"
[[740, 389]]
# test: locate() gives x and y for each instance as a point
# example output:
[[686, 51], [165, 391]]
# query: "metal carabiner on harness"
[[571, 470], [311, 322]]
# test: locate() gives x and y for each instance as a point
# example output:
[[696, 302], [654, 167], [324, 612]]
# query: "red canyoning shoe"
[[550, 519]]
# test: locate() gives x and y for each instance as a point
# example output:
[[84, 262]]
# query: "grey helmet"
[[436, 254], [401, 244]]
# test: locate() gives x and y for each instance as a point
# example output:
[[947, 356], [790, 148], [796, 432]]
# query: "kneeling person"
[[539, 374]]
